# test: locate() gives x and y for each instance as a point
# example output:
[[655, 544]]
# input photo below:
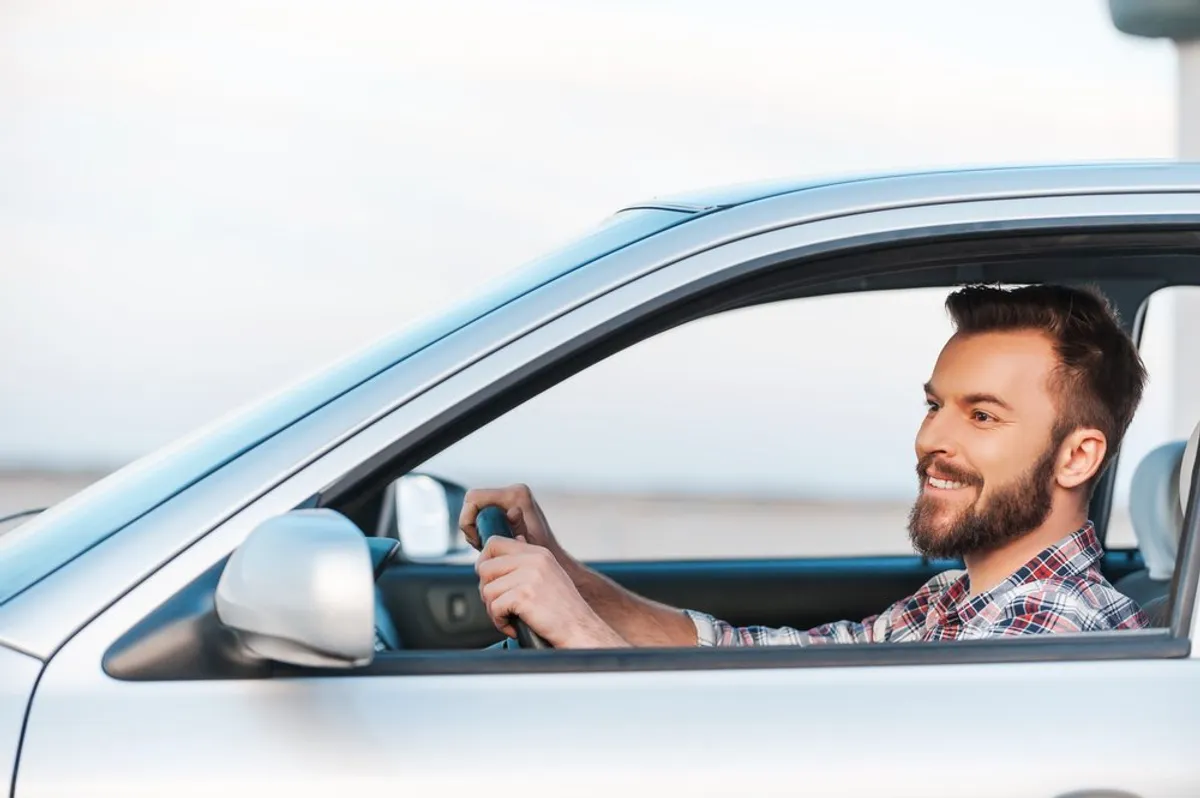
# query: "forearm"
[[638, 620]]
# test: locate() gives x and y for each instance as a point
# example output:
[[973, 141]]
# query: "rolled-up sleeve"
[[711, 631]]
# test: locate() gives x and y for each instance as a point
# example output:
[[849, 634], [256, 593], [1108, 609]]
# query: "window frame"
[[1173, 642]]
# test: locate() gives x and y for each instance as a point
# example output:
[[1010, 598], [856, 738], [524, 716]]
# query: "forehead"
[[1015, 366]]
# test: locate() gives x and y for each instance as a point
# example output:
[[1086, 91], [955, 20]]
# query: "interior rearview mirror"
[[301, 590], [421, 511]]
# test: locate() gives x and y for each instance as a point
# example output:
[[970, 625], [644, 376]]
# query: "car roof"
[[1041, 175]]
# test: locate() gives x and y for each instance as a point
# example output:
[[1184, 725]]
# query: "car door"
[[993, 718]]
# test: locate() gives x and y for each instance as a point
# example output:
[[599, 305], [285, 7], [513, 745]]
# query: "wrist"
[[571, 566]]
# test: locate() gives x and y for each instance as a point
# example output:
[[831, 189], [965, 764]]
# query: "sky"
[[200, 202]]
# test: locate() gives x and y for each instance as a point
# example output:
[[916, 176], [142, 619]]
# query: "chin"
[[940, 525], [943, 514], [940, 529]]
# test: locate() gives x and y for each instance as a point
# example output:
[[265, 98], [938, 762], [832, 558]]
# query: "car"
[[282, 602]]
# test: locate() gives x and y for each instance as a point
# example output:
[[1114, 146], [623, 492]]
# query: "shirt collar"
[[1074, 555]]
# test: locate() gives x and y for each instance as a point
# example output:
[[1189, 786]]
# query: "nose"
[[936, 435]]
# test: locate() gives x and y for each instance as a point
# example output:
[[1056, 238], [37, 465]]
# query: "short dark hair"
[[1100, 375]]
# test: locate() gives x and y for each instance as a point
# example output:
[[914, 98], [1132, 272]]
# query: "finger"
[[495, 566], [478, 498], [501, 547], [504, 498], [511, 500], [466, 522], [505, 608], [500, 585], [504, 614], [503, 625], [516, 520]]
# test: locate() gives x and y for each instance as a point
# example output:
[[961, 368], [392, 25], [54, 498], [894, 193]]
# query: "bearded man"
[[1026, 406]]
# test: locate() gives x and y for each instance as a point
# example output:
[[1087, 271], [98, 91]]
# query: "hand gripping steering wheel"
[[492, 522]]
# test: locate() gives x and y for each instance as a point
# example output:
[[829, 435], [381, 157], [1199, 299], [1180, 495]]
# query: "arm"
[[639, 621], [714, 632], [643, 622]]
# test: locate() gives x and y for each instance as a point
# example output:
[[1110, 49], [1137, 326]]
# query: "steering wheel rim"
[[492, 522]]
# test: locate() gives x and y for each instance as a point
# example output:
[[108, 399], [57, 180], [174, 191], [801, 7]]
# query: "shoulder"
[[1085, 602]]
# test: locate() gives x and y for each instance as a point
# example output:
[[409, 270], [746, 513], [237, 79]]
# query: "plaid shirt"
[[1059, 590]]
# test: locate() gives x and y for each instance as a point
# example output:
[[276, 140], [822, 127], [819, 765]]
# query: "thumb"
[[516, 519]]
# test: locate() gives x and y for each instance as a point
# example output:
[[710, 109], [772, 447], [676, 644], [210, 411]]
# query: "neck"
[[987, 569]]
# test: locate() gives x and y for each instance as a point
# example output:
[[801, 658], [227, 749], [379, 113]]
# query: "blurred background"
[[201, 203]]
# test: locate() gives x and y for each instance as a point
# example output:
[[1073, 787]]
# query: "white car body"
[[1009, 719]]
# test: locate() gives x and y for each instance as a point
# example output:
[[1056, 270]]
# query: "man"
[[1027, 404]]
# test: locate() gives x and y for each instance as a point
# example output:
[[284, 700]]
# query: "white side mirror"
[[301, 590], [422, 512]]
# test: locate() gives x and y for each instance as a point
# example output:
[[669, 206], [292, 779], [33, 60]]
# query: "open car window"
[[780, 430]]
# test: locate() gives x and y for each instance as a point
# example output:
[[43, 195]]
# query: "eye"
[[930, 405], [981, 416]]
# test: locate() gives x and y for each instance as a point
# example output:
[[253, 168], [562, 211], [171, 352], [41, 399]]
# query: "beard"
[[1010, 512]]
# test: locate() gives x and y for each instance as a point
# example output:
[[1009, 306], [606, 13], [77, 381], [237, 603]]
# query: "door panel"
[[438, 606], [767, 732]]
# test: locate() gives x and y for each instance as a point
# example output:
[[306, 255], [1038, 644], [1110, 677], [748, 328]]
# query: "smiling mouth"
[[944, 484]]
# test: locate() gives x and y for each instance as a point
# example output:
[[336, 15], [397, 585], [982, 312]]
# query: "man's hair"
[[1100, 375]]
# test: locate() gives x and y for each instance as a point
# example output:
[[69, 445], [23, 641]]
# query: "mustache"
[[951, 472]]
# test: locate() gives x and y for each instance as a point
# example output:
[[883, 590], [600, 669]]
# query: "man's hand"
[[561, 599], [519, 579], [524, 515]]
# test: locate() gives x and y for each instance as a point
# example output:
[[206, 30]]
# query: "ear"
[[1080, 456]]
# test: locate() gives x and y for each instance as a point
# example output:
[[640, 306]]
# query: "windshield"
[[36, 545]]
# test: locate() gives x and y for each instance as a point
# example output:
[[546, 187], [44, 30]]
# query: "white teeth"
[[945, 484]]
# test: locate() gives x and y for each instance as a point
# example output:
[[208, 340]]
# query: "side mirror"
[[421, 512], [301, 590]]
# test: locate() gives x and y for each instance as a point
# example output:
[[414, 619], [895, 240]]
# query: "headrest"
[[1155, 510], [1185, 469]]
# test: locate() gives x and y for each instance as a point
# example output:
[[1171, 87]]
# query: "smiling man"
[[1027, 404]]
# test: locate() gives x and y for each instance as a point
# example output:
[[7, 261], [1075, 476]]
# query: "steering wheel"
[[492, 522]]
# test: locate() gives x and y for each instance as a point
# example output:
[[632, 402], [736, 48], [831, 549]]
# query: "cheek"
[[999, 459]]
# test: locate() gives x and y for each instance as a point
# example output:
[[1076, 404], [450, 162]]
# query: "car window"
[[1170, 406], [774, 431]]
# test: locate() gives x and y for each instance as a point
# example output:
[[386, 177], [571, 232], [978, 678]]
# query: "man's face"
[[986, 452]]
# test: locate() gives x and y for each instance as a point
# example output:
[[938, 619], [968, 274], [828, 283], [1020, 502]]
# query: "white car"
[[280, 604]]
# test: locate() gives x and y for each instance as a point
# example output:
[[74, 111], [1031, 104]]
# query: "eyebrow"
[[975, 398]]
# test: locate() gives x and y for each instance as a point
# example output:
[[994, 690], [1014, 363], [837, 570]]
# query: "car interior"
[[1157, 502]]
